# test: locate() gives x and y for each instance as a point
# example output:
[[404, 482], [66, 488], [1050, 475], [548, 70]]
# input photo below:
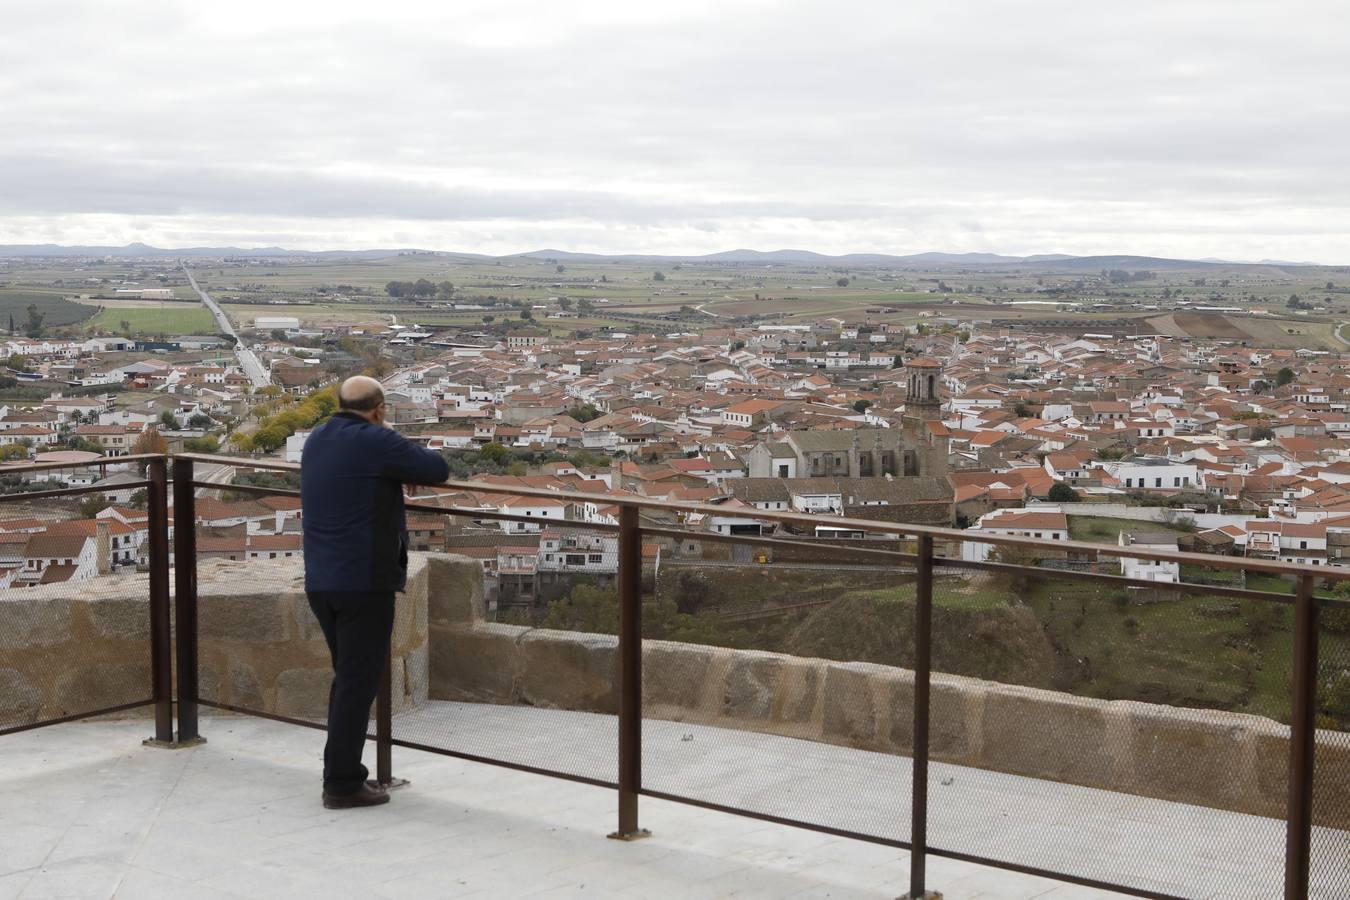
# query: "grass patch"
[[168, 321], [1106, 530]]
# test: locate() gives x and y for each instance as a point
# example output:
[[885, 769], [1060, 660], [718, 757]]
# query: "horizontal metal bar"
[[519, 767], [317, 726], [509, 517], [69, 492], [1052, 874], [248, 489], [97, 463], [777, 820], [107, 710], [762, 541], [1272, 567], [1046, 574]]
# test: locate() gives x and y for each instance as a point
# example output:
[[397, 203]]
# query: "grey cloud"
[[909, 119]]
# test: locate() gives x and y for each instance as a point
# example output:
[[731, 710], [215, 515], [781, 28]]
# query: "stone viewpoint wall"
[[261, 647], [1216, 759], [71, 648]]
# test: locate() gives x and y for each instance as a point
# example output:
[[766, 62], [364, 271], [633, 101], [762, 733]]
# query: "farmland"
[[180, 318], [54, 308]]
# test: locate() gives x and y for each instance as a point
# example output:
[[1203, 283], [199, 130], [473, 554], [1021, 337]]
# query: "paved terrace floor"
[[85, 811]]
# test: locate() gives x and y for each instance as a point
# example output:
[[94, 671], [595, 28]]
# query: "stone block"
[[949, 714], [569, 671], [397, 686], [98, 686], [1188, 755], [415, 665], [34, 621], [250, 617], [849, 714], [673, 674], [306, 625], [120, 617], [751, 684], [208, 684], [1331, 787], [1045, 734], [20, 701], [454, 590], [479, 663], [244, 688], [405, 617], [798, 691], [303, 693]]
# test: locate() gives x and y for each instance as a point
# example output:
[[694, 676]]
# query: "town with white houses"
[[1198, 445]]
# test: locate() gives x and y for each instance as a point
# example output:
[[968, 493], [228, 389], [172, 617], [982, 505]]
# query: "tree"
[[278, 334], [565, 303], [1062, 493], [493, 452], [658, 276], [861, 405], [842, 282], [560, 268], [126, 327], [91, 506], [35, 319], [200, 420], [13, 451], [1284, 376], [1021, 410], [207, 444], [585, 305], [585, 413], [445, 290], [527, 315], [168, 419], [149, 441], [138, 499]]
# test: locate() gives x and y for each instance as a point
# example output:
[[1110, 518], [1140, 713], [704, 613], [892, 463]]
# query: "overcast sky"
[[1166, 128]]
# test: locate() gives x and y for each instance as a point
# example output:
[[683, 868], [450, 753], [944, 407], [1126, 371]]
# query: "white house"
[[1049, 524], [1149, 569]]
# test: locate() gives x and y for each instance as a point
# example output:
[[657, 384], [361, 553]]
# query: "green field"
[[173, 319]]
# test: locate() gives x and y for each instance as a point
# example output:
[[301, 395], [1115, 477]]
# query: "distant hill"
[[139, 250], [929, 260]]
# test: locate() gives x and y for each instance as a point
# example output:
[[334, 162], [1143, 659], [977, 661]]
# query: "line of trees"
[[421, 288]]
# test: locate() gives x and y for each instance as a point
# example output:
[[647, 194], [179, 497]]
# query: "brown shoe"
[[366, 795]]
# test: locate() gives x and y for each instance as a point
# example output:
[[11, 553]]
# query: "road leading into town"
[[250, 363]]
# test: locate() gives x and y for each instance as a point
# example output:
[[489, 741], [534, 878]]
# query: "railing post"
[[923, 664], [630, 674], [1302, 743], [161, 641], [185, 598], [384, 723]]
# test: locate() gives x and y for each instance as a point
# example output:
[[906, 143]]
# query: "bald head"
[[360, 394]]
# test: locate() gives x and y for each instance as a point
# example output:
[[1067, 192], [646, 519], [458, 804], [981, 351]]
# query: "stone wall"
[[72, 648], [261, 647], [1222, 760], [67, 649]]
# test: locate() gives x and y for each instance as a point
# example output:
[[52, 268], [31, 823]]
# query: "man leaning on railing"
[[356, 558]]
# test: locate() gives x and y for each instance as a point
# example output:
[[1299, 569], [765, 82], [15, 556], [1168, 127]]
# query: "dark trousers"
[[357, 626]]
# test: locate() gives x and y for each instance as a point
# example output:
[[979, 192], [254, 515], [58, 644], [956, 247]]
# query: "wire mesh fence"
[[74, 594], [1330, 857], [1111, 746], [515, 691], [770, 683]]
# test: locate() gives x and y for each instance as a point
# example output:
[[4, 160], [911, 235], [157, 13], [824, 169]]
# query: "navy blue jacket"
[[351, 493]]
